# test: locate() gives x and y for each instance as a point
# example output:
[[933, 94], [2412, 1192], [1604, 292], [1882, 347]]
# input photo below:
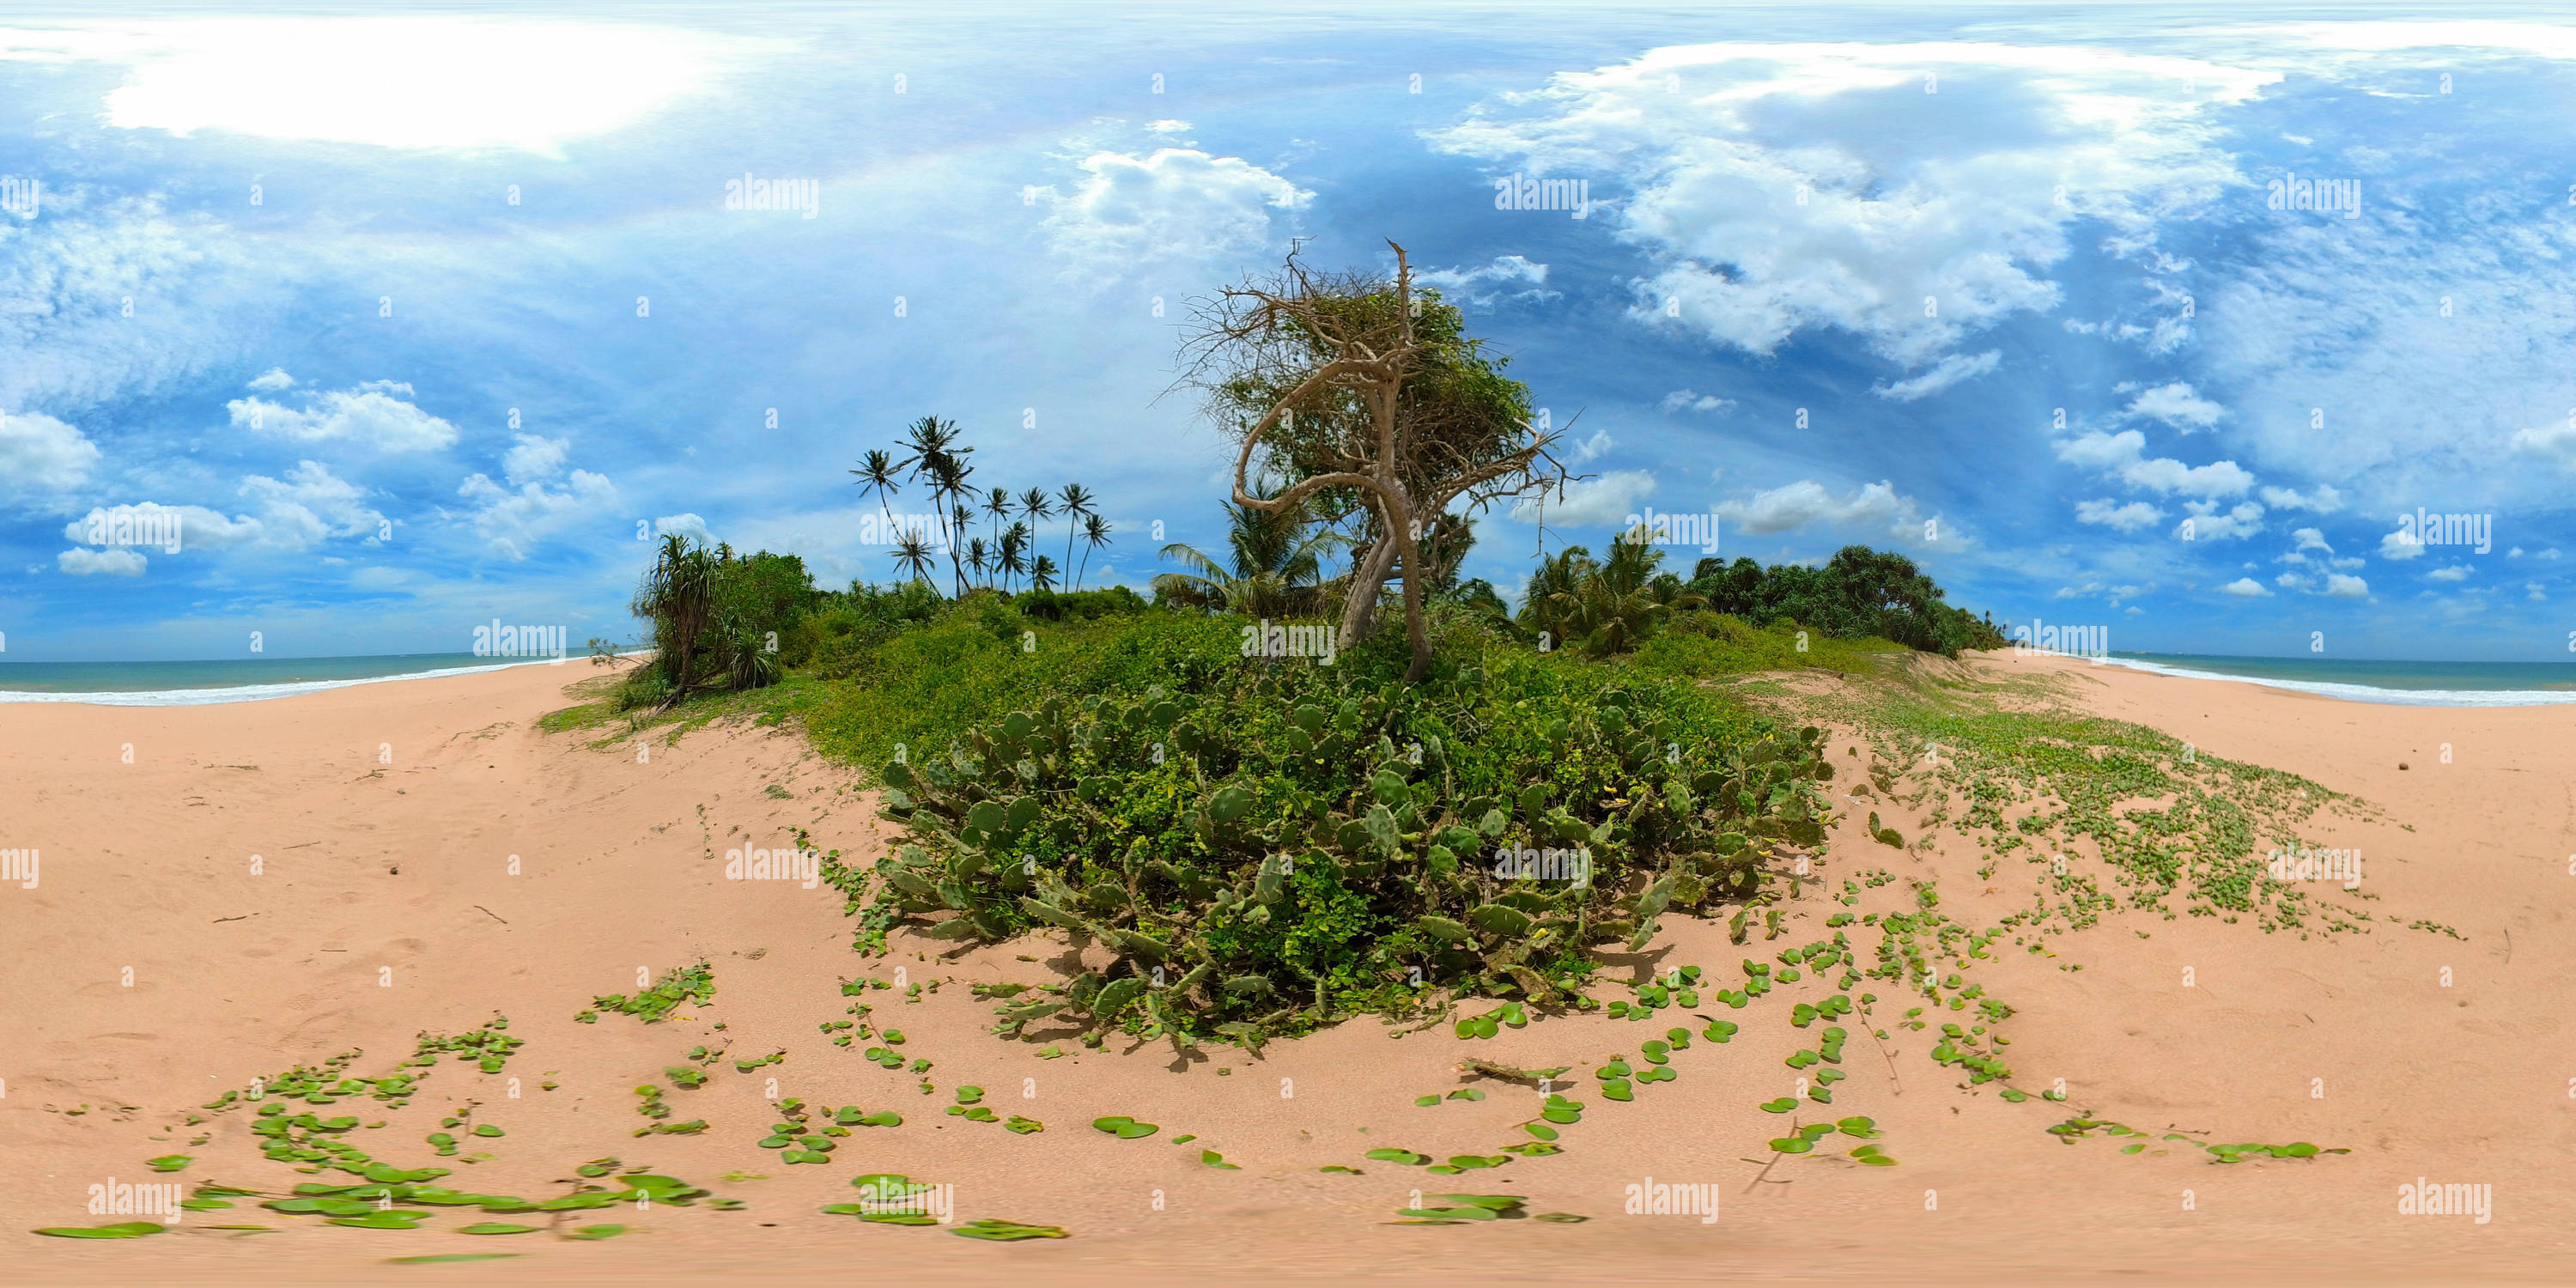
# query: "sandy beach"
[[156, 964]]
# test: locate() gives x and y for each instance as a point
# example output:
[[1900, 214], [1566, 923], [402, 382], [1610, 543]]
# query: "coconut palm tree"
[[1012, 558], [1043, 574], [1275, 570], [1616, 606], [1035, 505], [912, 553], [1073, 501], [976, 558], [997, 505], [877, 472], [1095, 534]]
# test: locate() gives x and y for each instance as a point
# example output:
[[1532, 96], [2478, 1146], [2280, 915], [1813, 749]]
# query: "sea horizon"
[[208, 681], [205, 681]]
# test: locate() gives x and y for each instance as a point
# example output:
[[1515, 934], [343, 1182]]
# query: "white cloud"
[[1593, 448], [1605, 502], [2556, 443], [1174, 203], [1782, 509], [2322, 498], [510, 524], [2311, 539], [81, 561], [1169, 127], [2205, 523], [1483, 286], [2123, 455], [2245, 588], [2177, 405], [2456, 572], [1687, 400], [272, 380], [2341, 586], [686, 525], [374, 413], [2400, 545], [1806, 185], [41, 454], [535, 458], [2125, 518], [2536, 596], [310, 505], [461, 82], [1949, 371]]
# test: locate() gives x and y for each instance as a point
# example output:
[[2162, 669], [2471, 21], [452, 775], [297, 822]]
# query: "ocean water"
[[187, 684], [2426, 684]]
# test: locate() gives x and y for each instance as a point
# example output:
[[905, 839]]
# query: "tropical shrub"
[[1270, 846]]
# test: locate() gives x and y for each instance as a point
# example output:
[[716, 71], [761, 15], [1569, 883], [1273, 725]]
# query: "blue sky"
[[2018, 268]]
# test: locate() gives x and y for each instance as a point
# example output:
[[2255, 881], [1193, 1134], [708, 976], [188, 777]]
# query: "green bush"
[[1268, 846], [1079, 605]]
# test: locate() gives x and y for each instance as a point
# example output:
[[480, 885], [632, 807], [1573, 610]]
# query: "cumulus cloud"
[[1808, 185], [310, 505], [1173, 203], [41, 454], [1687, 400], [2111, 514], [2322, 499], [2456, 572], [1593, 448], [1603, 502], [1945, 373], [512, 523], [686, 525], [375, 413], [2311, 539], [2178, 406], [2554, 443], [534, 458], [1486, 284], [2245, 588], [272, 380], [1782, 509], [81, 561], [2205, 522], [2342, 586], [2400, 545], [2123, 455]]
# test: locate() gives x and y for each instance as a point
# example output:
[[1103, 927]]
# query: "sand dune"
[[384, 907]]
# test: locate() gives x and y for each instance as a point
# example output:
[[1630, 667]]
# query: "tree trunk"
[[1359, 606]]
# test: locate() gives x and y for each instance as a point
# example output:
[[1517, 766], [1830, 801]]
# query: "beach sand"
[[385, 907]]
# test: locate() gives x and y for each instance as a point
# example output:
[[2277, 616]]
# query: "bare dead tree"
[[1379, 410]]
